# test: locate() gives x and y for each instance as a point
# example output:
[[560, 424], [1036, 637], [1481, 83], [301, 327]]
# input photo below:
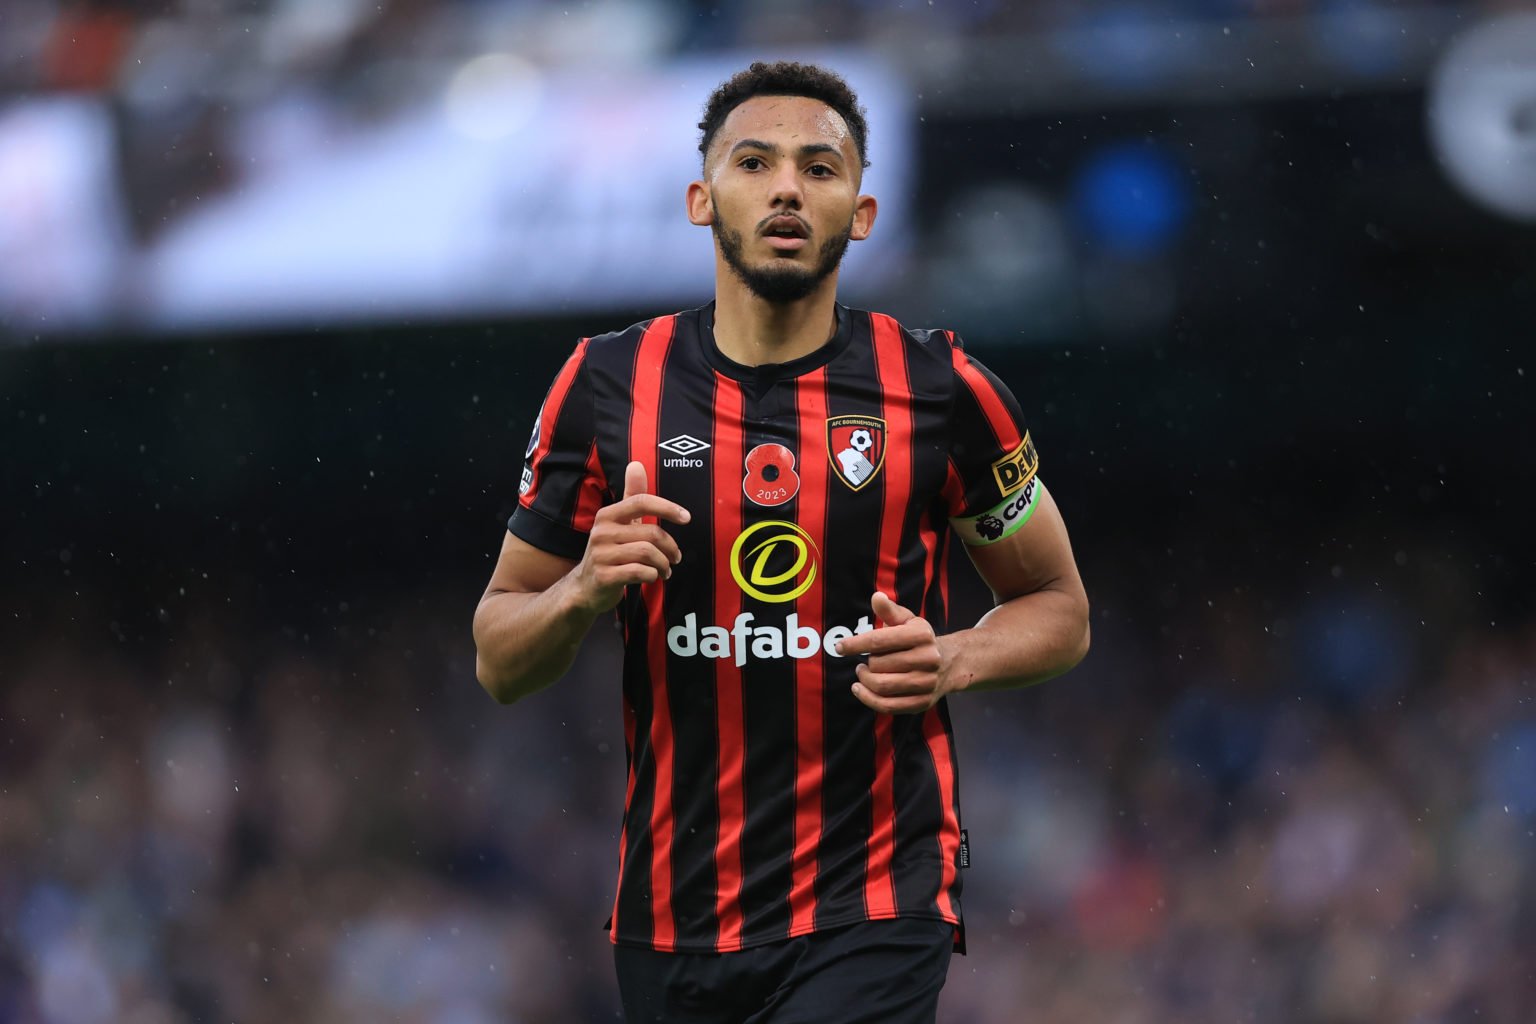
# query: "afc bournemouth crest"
[[856, 445]]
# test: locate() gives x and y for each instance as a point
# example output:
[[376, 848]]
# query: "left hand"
[[907, 672]]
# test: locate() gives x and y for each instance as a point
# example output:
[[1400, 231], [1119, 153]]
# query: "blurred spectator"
[[255, 826], [86, 44]]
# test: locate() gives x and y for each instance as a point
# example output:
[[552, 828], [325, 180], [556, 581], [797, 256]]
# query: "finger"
[[634, 573], [920, 659], [630, 533], [634, 479], [888, 611], [639, 553], [637, 506], [890, 705], [895, 684], [885, 641]]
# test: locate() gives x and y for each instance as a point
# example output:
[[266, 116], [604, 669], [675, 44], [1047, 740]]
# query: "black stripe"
[[816, 520], [853, 536], [610, 370], [687, 407], [918, 811], [611, 361], [635, 922], [768, 702], [919, 806], [932, 379]]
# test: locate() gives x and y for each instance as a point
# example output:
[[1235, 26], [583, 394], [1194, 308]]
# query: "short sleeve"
[[993, 484], [562, 484]]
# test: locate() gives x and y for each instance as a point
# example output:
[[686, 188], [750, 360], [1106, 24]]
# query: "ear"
[[701, 209], [864, 209]]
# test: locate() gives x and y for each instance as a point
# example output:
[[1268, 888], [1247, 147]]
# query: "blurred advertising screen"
[[62, 237], [505, 188]]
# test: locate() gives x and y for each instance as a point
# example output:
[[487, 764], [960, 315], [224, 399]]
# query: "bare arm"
[[529, 623], [1039, 625], [1037, 629], [538, 606]]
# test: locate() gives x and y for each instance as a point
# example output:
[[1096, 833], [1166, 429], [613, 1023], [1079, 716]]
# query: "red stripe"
[[549, 415], [590, 498], [954, 490], [810, 763], [954, 501], [896, 410], [929, 538], [942, 752], [644, 423], [944, 577], [629, 796], [730, 721], [992, 404]]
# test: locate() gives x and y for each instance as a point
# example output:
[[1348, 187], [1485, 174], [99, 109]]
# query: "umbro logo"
[[683, 444], [682, 448]]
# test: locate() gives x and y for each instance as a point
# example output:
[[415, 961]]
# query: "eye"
[[751, 163], [819, 171]]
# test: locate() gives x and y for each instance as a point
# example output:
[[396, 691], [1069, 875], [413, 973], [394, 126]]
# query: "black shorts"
[[874, 972]]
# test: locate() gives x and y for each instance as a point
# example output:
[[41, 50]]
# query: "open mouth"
[[786, 234], [786, 227]]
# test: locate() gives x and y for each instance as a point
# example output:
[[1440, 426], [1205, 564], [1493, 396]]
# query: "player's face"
[[781, 193]]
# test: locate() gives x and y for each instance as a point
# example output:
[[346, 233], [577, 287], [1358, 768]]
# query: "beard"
[[781, 282]]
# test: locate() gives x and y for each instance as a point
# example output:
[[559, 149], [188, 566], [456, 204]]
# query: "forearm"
[[1021, 642], [525, 641]]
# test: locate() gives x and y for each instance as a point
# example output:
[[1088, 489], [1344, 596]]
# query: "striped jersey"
[[763, 799]]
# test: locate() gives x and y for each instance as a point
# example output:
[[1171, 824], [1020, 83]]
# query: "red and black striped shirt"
[[763, 800]]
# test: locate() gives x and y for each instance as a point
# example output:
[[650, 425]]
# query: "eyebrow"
[[809, 149]]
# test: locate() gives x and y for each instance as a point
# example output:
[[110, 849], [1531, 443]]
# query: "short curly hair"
[[785, 78]]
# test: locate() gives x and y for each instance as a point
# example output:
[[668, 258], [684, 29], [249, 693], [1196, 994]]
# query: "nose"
[[786, 186]]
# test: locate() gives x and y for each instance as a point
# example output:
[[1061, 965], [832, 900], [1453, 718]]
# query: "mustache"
[[762, 225]]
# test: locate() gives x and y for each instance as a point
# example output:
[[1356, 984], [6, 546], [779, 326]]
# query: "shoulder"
[[618, 348], [936, 340], [931, 351]]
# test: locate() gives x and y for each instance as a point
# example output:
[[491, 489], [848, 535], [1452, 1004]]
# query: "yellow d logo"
[[769, 558]]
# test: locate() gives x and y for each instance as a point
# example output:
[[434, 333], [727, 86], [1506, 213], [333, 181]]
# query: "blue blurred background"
[[282, 285]]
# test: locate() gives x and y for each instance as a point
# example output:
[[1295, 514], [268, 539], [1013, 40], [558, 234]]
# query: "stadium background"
[[1274, 334]]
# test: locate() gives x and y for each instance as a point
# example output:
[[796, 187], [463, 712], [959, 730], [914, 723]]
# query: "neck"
[[753, 332]]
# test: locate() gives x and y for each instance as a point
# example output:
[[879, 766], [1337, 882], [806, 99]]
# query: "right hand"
[[623, 548]]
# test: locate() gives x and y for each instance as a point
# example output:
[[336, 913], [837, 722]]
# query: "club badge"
[[856, 445]]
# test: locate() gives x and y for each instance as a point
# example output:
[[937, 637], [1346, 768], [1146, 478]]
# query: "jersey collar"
[[771, 371]]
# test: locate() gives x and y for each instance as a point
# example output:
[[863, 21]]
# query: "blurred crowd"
[[100, 44], [204, 93], [1251, 803], [264, 826], [141, 139], [161, 55]]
